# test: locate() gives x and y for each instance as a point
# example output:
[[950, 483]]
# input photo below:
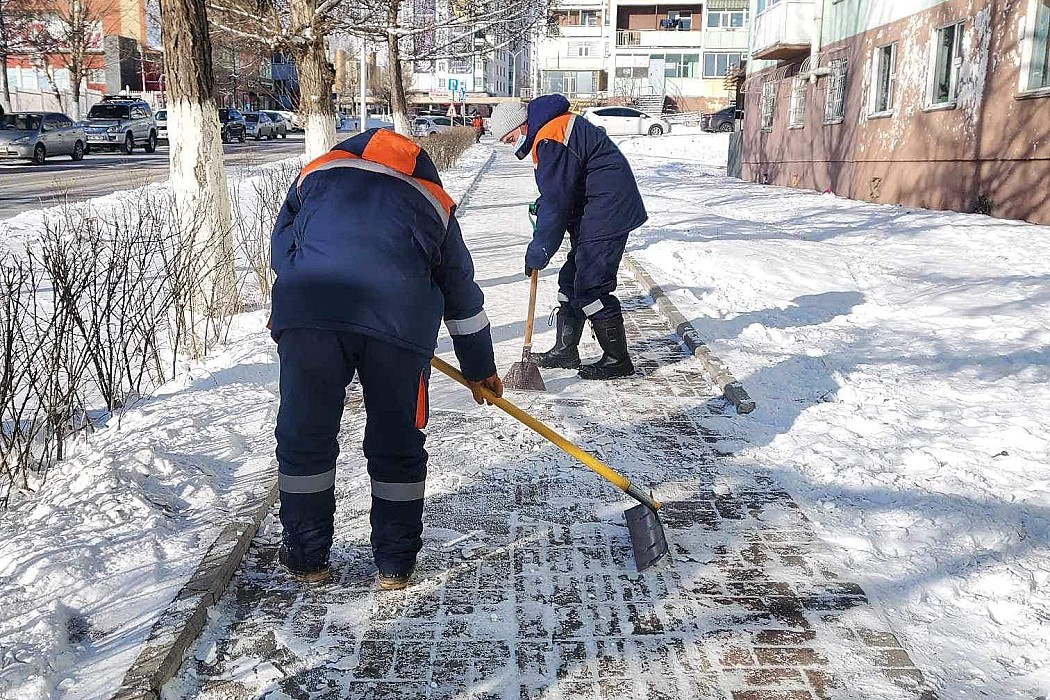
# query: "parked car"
[[232, 124], [293, 120], [37, 135], [428, 126], [280, 123], [620, 121], [722, 120], [259, 125], [161, 117], [120, 122]]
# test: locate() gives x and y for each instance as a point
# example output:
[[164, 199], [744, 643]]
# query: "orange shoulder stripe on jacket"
[[392, 150], [394, 158], [323, 160], [557, 129]]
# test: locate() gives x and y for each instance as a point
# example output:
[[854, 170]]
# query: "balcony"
[[783, 31], [646, 39]]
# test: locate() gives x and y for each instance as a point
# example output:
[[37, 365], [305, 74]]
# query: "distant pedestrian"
[[586, 188], [479, 128], [368, 256]]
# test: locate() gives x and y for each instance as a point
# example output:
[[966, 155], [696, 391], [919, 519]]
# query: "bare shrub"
[[254, 214], [446, 148]]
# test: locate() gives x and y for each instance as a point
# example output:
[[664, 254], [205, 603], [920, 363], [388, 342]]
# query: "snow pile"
[[901, 364], [706, 149]]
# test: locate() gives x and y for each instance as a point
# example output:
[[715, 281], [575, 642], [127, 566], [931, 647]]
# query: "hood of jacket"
[[541, 110]]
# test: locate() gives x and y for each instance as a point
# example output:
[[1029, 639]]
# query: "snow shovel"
[[643, 522], [525, 375]]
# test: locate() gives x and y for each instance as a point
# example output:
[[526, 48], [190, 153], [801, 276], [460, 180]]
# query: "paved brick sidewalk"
[[526, 587]]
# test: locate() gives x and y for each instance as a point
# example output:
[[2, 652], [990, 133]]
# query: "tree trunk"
[[398, 102], [316, 78], [77, 39], [198, 173], [5, 89]]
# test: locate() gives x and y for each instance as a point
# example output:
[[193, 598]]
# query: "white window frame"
[[835, 91], [725, 21], [957, 61], [797, 112], [1025, 88], [579, 49], [876, 80], [769, 100]]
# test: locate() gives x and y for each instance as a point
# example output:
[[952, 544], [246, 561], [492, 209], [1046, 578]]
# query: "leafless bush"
[[253, 218], [446, 148]]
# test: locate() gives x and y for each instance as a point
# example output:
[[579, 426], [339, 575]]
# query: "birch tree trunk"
[[316, 78], [198, 173], [398, 102]]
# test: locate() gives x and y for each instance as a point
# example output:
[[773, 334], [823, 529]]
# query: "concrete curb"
[[184, 619], [463, 201], [731, 387]]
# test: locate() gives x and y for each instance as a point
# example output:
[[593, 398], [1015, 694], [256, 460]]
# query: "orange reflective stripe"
[[434, 193], [421, 402], [392, 150], [441, 195], [558, 129], [323, 160]]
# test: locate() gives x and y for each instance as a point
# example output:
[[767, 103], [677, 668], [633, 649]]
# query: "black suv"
[[722, 120], [232, 123], [121, 122]]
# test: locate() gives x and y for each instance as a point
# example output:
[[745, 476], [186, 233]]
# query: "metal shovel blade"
[[525, 376], [647, 536]]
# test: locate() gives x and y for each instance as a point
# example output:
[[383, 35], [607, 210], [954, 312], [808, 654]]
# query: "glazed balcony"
[[783, 31]]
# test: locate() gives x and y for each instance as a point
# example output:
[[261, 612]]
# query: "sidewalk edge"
[[180, 624], [465, 199], [731, 387]]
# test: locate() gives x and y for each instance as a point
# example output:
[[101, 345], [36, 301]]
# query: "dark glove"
[[534, 208], [528, 272]]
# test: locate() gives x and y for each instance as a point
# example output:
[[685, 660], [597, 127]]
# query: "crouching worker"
[[586, 188], [368, 256]]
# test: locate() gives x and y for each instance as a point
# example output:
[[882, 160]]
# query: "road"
[[24, 186]]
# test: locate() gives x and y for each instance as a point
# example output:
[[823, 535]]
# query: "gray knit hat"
[[506, 117]]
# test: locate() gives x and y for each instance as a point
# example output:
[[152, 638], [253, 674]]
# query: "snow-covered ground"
[[900, 359], [89, 562]]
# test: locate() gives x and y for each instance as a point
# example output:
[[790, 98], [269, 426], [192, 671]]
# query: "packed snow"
[[899, 359]]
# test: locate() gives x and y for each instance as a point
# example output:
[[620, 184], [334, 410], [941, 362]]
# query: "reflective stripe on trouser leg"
[[397, 462], [315, 368], [597, 263]]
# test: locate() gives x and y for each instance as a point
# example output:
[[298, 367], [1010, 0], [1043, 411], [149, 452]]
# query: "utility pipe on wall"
[[814, 46]]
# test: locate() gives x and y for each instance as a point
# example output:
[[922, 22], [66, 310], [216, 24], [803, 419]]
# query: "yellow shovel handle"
[[603, 470]]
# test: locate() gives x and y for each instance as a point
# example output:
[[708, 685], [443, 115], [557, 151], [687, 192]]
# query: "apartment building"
[[479, 69], [654, 55], [679, 51], [942, 104]]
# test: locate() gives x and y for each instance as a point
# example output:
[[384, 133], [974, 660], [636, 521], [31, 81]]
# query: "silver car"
[[36, 135], [280, 124], [428, 126], [161, 118], [259, 125]]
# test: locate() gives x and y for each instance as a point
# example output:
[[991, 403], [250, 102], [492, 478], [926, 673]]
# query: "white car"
[[161, 117], [292, 119], [626, 121]]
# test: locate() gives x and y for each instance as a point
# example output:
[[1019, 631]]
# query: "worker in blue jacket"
[[369, 257], [586, 188]]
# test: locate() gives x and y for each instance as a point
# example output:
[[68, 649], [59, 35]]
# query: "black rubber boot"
[[564, 354], [615, 362]]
